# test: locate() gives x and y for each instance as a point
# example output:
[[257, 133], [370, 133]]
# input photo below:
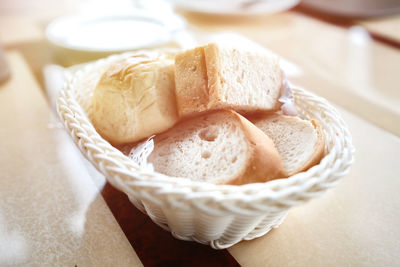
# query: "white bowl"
[[76, 39]]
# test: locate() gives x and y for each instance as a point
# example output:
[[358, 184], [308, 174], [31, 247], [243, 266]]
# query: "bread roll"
[[218, 76], [220, 147], [135, 98]]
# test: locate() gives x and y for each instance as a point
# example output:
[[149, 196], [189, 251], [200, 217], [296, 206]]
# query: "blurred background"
[[81, 30], [349, 45]]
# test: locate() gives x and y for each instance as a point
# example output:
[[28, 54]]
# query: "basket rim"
[[132, 179]]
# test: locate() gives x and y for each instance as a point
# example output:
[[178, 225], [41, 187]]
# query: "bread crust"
[[129, 92], [192, 93], [264, 162], [214, 78]]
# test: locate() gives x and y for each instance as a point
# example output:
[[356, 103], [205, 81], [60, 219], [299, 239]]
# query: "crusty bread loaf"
[[300, 143], [135, 98], [220, 147], [218, 76]]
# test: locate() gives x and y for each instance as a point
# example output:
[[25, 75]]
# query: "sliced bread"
[[219, 76], [300, 143], [191, 81], [220, 147], [135, 98]]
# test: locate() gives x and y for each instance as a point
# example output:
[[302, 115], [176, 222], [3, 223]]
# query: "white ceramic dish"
[[235, 7], [114, 33]]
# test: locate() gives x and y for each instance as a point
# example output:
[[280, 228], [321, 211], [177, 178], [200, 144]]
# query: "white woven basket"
[[218, 215]]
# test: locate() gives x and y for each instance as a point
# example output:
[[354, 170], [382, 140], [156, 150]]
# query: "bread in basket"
[[218, 215]]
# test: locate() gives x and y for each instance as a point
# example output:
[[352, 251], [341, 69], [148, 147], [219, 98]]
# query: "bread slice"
[[220, 147], [218, 76], [299, 142], [135, 98], [191, 81]]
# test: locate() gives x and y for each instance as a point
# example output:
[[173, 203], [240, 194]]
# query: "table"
[[57, 210], [388, 27]]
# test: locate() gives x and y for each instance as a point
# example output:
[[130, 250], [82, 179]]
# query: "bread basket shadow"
[[218, 215]]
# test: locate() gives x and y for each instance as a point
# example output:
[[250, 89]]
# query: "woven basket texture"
[[218, 215]]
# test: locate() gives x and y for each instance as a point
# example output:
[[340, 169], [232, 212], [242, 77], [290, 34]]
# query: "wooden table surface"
[[387, 27], [57, 210]]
